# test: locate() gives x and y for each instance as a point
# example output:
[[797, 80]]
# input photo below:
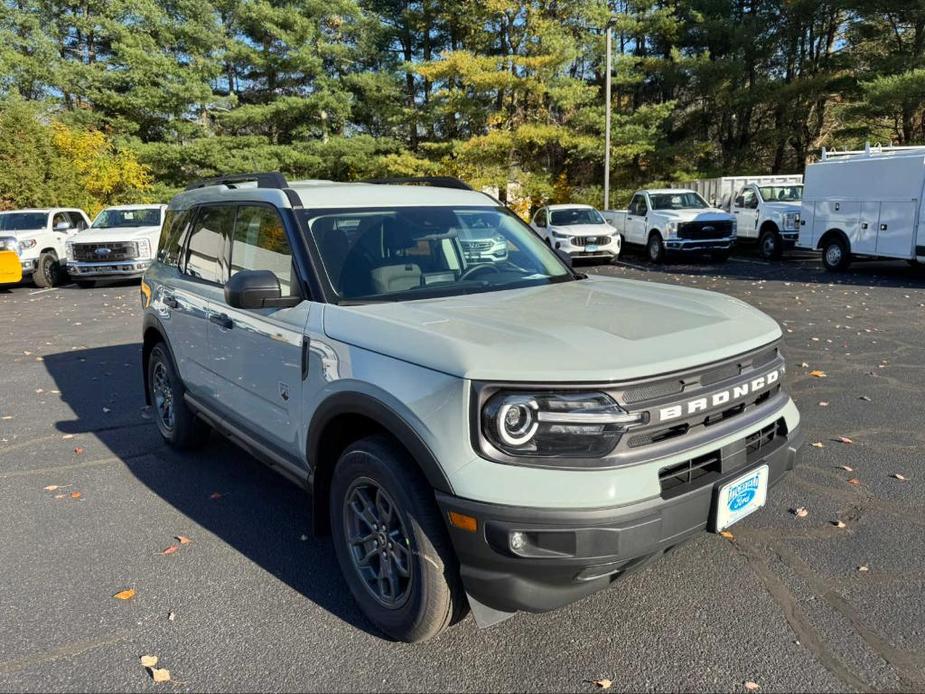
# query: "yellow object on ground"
[[10, 268]]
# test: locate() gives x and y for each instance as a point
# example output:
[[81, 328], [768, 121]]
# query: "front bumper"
[[695, 245], [126, 268], [789, 238], [569, 554]]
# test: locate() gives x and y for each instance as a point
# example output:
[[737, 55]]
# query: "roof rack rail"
[[435, 181], [265, 179]]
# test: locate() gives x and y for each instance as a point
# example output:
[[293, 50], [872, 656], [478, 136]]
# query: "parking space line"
[[635, 267], [66, 651], [49, 289], [749, 260]]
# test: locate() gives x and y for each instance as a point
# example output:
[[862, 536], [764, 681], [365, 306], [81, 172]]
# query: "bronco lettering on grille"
[[719, 398]]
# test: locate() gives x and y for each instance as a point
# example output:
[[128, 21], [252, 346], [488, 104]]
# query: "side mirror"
[[563, 256], [250, 289], [740, 201], [62, 226]]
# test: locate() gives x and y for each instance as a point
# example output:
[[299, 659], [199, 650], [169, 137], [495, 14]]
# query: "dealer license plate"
[[742, 496], [591, 247]]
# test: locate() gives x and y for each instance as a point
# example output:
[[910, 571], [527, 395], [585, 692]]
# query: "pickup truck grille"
[[105, 252], [585, 240], [704, 230]]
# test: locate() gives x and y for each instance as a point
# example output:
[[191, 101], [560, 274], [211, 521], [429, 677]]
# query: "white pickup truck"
[[120, 244], [668, 220], [33, 243], [770, 215]]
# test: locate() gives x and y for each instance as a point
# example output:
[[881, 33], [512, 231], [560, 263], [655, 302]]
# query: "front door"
[[745, 209], [636, 220], [256, 354]]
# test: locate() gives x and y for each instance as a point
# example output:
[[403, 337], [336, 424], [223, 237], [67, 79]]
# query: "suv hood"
[[583, 229], [116, 234], [597, 329]]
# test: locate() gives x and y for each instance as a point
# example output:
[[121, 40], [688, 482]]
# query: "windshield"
[[574, 215], [120, 219], [399, 254], [21, 221], [781, 193], [677, 201]]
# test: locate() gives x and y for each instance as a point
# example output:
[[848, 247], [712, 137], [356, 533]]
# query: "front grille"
[[690, 474], [96, 252], [586, 240], [760, 439], [477, 245], [704, 230]]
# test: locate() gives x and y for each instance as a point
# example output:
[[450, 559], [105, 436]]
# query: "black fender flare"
[[370, 407]]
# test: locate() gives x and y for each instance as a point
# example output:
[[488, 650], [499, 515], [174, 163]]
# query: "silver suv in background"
[[499, 436]]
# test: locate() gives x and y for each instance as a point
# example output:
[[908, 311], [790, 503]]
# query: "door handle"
[[864, 225], [171, 301], [221, 320], [883, 227]]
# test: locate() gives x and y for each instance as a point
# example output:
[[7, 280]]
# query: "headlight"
[[555, 425], [69, 250], [671, 228], [735, 227], [792, 220], [9, 244], [27, 244], [558, 235], [144, 248]]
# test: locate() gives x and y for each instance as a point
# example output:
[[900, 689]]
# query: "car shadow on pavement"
[[220, 487]]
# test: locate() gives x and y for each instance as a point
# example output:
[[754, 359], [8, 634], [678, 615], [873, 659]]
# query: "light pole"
[[609, 49]]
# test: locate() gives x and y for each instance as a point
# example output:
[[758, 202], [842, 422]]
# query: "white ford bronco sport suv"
[[497, 435], [38, 238], [120, 244]]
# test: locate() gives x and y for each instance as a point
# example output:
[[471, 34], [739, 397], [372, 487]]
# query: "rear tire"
[[655, 248], [771, 245], [836, 256], [177, 423], [391, 542], [48, 270]]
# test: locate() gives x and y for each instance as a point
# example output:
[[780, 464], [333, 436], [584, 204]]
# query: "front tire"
[[391, 542], [177, 423], [48, 270], [771, 245], [655, 248], [836, 256]]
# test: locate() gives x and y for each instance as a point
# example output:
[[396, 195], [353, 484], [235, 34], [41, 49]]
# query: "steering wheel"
[[478, 268]]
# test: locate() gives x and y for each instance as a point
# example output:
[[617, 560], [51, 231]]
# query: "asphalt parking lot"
[[90, 499]]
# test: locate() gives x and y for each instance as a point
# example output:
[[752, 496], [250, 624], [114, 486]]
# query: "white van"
[[864, 204]]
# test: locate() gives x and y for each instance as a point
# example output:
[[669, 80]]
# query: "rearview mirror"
[[251, 289]]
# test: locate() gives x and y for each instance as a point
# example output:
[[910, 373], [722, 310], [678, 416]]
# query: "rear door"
[[257, 353], [896, 229]]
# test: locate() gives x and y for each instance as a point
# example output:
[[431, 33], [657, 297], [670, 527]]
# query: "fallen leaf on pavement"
[[170, 550], [67, 436], [864, 398], [804, 365], [823, 403], [51, 487], [818, 444], [75, 495], [899, 477], [160, 674], [78, 450], [603, 683], [838, 524], [126, 594], [816, 373], [728, 535], [215, 495], [844, 439], [855, 481], [182, 539], [863, 568], [847, 468], [800, 512], [751, 686], [171, 616], [148, 660]]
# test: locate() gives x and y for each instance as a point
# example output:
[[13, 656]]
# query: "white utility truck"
[[767, 208], [668, 220], [120, 244], [865, 204]]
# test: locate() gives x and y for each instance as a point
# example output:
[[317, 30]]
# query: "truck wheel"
[[48, 271], [178, 424], [391, 542], [85, 284], [656, 248], [771, 246], [835, 255]]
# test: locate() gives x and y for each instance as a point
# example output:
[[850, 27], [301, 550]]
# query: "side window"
[[638, 206], [59, 218], [77, 221], [259, 243], [748, 198], [541, 218], [206, 242], [168, 247]]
